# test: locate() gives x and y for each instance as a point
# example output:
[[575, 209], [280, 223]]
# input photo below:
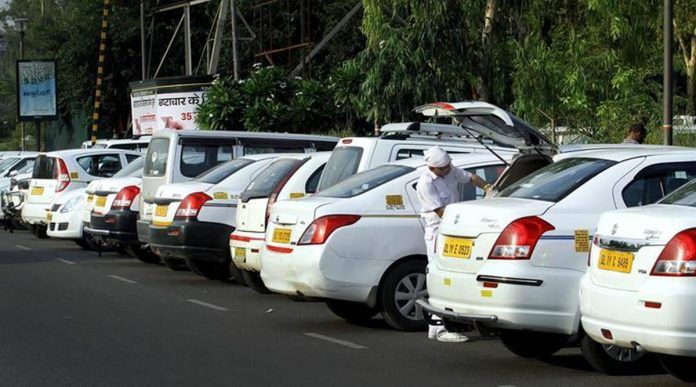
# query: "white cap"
[[437, 157]]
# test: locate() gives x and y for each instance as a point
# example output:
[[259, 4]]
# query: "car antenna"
[[461, 125]]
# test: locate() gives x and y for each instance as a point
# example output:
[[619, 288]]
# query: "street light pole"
[[667, 72], [21, 25]]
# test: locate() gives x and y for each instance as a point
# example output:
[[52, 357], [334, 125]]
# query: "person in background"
[[437, 187], [636, 134]]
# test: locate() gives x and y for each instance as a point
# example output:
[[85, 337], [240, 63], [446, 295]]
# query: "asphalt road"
[[68, 317]]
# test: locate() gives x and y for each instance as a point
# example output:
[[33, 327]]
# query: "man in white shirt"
[[437, 187]]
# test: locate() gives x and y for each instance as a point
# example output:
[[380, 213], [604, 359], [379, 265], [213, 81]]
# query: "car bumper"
[[65, 225], [669, 329], [143, 228], [117, 226], [316, 272], [34, 213], [194, 240], [515, 296], [246, 248]]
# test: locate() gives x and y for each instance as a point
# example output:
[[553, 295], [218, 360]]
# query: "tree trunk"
[[483, 89], [690, 77]]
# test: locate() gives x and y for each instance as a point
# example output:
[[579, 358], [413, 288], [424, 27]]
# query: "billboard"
[[37, 94], [167, 103]]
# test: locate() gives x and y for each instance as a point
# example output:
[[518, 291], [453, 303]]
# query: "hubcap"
[[621, 354], [408, 290]]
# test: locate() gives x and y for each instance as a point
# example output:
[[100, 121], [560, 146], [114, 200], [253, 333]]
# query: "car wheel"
[[144, 254], [351, 311], [92, 243], [532, 344], [209, 270], [254, 281], [402, 286], [613, 360], [82, 243], [236, 274], [39, 231], [680, 367]]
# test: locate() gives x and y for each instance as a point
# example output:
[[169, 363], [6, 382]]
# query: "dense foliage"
[[591, 66]]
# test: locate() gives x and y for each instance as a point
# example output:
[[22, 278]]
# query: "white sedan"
[[359, 244], [640, 288]]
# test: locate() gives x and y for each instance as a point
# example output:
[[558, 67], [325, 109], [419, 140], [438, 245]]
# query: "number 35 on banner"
[[188, 116]]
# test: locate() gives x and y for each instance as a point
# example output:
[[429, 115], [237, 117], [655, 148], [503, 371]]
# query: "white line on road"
[[122, 279], [65, 261], [335, 341], [207, 305], [23, 247]]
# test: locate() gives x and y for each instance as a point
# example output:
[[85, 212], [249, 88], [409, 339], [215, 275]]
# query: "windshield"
[[267, 181], [365, 181], [7, 163], [156, 158], [557, 180], [222, 171], [342, 164], [133, 169], [684, 196]]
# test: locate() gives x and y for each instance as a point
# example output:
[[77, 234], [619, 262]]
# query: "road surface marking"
[[65, 261], [335, 341], [23, 247], [207, 305], [122, 279]]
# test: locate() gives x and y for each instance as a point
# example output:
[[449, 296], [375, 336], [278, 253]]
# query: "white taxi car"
[[65, 218], [193, 220], [285, 178], [57, 173], [359, 244], [640, 288], [512, 264]]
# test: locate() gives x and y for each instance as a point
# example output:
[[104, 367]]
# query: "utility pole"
[[667, 69], [143, 50], [21, 24], [187, 40], [235, 48]]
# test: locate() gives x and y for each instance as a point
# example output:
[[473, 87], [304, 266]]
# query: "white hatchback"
[[57, 173], [358, 245], [639, 291], [286, 178]]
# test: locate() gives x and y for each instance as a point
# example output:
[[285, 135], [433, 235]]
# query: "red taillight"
[[678, 258], [595, 242], [190, 206], [347, 141], [320, 230], [63, 175], [518, 239], [124, 197]]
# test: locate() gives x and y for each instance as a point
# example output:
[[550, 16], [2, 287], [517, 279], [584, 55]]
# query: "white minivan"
[[178, 156], [56, 173]]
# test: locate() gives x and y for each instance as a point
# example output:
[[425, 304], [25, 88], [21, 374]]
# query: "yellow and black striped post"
[[100, 70]]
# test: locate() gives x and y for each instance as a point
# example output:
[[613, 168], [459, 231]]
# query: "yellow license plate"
[[220, 195], [281, 235], [49, 216], [161, 211], [239, 253], [90, 197], [615, 261], [101, 201], [457, 247], [37, 190]]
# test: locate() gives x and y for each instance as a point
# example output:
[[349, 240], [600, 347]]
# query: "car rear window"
[[222, 171], [342, 164], [197, 158], [44, 168], [365, 181], [156, 157], [266, 182], [134, 168], [684, 196], [557, 180], [106, 165]]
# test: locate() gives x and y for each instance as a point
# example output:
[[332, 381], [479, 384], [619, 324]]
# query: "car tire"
[[608, 358], [211, 270], [533, 344], [82, 243], [681, 367], [402, 286], [254, 281], [143, 254], [39, 231], [354, 312], [236, 274]]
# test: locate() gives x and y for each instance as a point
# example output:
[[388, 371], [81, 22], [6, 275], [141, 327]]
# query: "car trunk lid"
[[293, 217], [168, 198]]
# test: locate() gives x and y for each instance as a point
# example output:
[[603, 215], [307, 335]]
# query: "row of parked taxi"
[[552, 257]]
